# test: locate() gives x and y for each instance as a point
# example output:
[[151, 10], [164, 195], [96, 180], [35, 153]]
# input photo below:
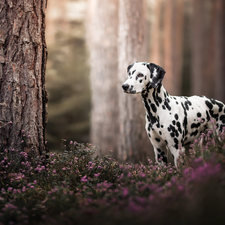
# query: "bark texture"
[[23, 55], [134, 145], [102, 40]]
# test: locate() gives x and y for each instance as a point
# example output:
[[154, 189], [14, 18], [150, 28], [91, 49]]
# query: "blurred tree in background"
[[185, 37], [102, 33], [67, 76]]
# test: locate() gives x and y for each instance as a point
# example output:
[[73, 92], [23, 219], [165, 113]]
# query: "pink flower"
[[97, 174], [125, 192], [10, 188], [83, 179]]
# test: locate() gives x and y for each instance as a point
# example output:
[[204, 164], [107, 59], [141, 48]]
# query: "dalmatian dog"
[[171, 121]]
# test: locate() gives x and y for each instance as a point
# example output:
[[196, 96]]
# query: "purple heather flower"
[[10, 188], [125, 192], [83, 179]]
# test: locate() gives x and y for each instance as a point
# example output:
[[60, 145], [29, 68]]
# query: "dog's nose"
[[125, 87]]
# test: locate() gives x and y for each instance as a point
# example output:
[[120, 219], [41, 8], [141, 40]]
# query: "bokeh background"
[[67, 75], [91, 43]]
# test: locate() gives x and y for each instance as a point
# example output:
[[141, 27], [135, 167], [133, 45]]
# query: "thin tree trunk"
[[23, 58], [197, 47], [102, 37], [220, 49], [173, 36], [155, 36], [134, 145], [208, 54]]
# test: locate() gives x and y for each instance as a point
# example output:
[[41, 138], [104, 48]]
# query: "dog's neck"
[[152, 99]]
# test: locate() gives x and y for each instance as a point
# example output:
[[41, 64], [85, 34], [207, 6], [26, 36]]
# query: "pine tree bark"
[[134, 145], [23, 56], [102, 36]]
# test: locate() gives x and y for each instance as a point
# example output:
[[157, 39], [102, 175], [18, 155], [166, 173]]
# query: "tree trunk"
[[155, 34], [23, 57], [134, 145], [102, 38], [197, 47], [173, 36], [219, 50]]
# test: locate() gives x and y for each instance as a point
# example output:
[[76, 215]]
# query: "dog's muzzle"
[[125, 87]]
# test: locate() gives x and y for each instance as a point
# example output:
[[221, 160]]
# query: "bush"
[[79, 187]]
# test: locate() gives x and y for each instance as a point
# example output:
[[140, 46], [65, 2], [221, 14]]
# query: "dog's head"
[[140, 74]]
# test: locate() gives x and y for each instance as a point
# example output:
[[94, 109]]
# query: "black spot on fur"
[[209, 104], [150, 117], [176, 116], [140, 81], [194, 133], [222, 118], [154, 109], [129, 67], [187, 103], [215, 116], [195, 125], [179, 127], [207, 115], [133, 72], [167, 104], [157, 139], [199, 114], [175, 140], [219, 104], [173, 131]]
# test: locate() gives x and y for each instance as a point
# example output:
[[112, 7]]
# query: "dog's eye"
[[140, 75]]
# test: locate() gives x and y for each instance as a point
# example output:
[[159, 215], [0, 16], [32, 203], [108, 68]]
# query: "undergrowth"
[[77, 187]]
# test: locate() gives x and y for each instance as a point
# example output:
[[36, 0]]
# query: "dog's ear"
[[129, 67], [156, 74]]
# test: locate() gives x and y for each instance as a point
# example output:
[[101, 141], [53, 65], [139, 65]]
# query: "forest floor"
[[76, 187]]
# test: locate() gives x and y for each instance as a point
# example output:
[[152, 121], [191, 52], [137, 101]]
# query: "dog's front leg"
[[160, 155], [176, 153]]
